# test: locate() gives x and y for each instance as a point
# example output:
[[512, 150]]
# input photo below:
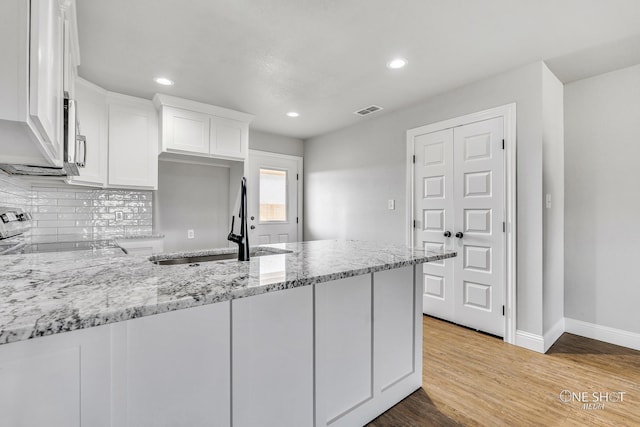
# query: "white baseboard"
[[554, 333], [530, 341], [603, 333]]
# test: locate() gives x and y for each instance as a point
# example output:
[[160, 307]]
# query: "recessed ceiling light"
[[397, 63], [163, 81], [292, 114]]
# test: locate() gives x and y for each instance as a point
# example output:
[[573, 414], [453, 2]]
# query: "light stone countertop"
[[48, 293]]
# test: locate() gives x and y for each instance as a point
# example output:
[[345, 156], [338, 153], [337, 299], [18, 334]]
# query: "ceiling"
[[327, 58]]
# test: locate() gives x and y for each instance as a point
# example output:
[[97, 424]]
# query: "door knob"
[[459, 235], [447, 234], [253, 227]]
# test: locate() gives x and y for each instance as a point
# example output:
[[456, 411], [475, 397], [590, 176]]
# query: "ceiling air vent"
[[368, 110]]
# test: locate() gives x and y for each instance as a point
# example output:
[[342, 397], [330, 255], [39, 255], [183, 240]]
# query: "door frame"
[[300, 163], [508, 113]]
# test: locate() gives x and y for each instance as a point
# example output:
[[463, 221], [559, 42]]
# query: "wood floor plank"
[[473, 379]]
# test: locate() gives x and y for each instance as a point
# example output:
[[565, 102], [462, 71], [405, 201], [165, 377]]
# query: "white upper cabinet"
[[133, 142], [186, 130], [32, 42], [122, 139], [46, 73], [92, 121], [194, 128]]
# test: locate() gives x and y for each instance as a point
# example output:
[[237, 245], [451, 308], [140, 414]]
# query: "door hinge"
[[503, 310], [414, 158], [297, 177], [296, 220], [414, 223], [504, 227], [503, 144]]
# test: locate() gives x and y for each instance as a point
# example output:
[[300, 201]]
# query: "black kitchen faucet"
[[243, 238]]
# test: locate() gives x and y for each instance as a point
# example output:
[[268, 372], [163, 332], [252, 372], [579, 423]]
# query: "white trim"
[[553, 334], [300, 161], [508, 113], [161, 100], [603, 333], [529, 341]]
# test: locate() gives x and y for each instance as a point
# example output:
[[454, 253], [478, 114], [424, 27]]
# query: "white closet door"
[[459, 188], [433, 211], [479, 212]]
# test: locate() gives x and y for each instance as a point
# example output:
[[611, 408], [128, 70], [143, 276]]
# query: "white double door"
[[274, 193], [459, 205]]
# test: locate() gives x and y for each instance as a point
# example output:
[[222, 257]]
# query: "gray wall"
[[192, 196], [553, 185], [602, 148], [351, 173], [273, 143]]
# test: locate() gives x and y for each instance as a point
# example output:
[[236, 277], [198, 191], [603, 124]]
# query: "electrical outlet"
[[119, 216], [391, 205], [191, 234]]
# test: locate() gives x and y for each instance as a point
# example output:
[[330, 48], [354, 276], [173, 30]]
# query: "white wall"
[[602, 208], [553, 185], [351, 173], [192, 196], [273, 143]]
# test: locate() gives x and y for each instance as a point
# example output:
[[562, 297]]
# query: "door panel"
[[273, 196], [459, 187], [479, 199], [434, 215]]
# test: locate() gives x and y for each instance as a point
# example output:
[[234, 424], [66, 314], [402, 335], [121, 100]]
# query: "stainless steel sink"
[[214, 257]]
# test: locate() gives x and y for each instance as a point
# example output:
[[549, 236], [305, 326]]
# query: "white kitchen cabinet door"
[[184, 130], [273, 359], [57, 381], [229, 138], [133, 143], [397, 331], [92, 122], [46, 74], [344, 350], [173, 369]]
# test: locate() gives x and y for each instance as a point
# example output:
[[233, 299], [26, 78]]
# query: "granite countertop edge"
[[51, 323]]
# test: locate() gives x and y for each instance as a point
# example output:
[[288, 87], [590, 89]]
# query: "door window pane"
[[273, 195]]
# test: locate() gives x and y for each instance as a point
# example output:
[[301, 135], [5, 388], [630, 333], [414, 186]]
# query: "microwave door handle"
[[81, 141]]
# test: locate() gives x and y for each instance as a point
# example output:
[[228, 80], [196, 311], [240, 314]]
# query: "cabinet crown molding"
[[162, 100]]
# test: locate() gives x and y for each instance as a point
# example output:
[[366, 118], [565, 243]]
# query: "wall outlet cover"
[[191, 234], [391, 205], [119, 216]]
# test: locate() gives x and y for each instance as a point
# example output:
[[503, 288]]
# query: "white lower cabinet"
[[368, 345], [255, 361], [172, 369], [273, 359], [57, 381]]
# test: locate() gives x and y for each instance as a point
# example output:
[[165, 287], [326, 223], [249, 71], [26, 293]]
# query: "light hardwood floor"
[[473, 379]]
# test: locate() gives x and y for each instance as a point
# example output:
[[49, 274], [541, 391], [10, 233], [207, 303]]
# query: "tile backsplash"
[[89, 214], [64, 215]]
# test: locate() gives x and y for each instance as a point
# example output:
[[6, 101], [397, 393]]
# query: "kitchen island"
[[318, 333]]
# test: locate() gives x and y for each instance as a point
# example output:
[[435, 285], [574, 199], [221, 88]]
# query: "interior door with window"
[[274, 195]]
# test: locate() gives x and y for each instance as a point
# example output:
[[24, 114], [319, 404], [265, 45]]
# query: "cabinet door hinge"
[[414, 158], [503, 310], [504, 227], [503, 144]]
